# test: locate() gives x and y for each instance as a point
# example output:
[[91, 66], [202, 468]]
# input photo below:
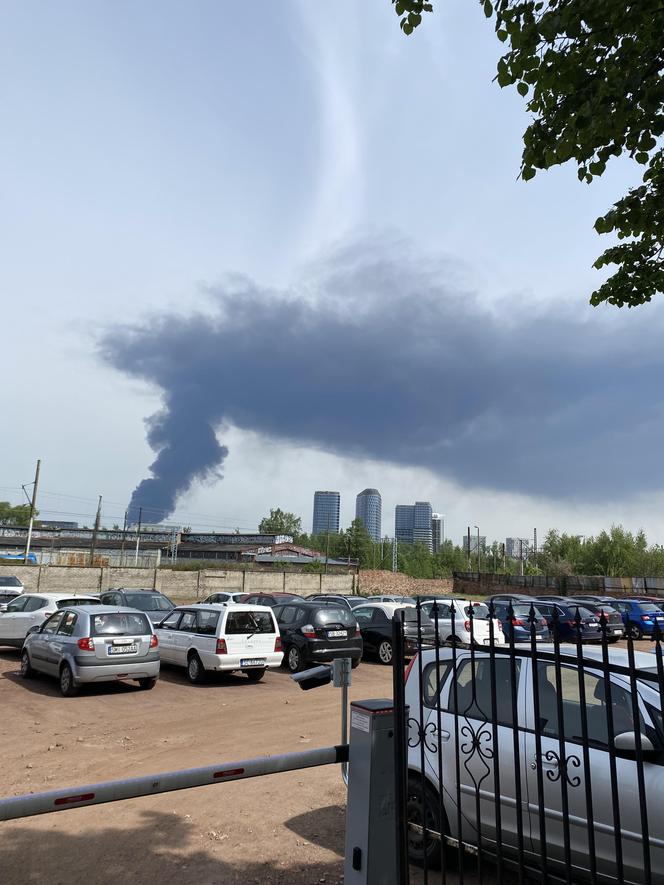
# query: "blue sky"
[[150, 153]]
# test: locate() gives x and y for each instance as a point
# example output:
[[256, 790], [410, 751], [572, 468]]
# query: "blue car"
[[567, 628], [639, 617], [518, 626]]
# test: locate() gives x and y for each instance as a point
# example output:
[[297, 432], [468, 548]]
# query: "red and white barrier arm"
[[151, 784]]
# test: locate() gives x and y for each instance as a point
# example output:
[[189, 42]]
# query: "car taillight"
[[86, 644], [221, 647], [645, 617], [358, 632], [500, 626], [154, 641], [277, 643], [308, 631], [466, 626], [410, 667], [517, 622]]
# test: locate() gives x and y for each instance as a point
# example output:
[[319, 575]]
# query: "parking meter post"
[[371, 852], [342, 678]]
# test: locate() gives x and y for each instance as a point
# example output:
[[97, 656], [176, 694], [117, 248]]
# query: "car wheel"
[[255, 674], [195, 670], [294, 659], [634, 631], [67, 685], [147, 683], [27, 671], [423, 808], [355, 663], [385, 652]]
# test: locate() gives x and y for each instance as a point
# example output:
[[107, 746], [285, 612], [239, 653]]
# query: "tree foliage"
[[591, 72], [281, 522], [14, 515]]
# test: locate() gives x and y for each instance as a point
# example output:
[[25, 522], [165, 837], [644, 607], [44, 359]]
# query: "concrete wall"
[[470, 584], [181, 586]]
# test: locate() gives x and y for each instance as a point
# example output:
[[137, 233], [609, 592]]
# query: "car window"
[[68, 624], [188, 622], [34, 603], [364, 615], [119, 624], [442, 608], [286, 614], [51, 624], [171, 622], [473, 689], [379, 616], [649, 607], [480, 611], [67, 603], [410, 616], [148, 602], [433, 678], [9, 581], [596, 705], [18, 604], [111, 598], [206, 622], [249, 622], [333, 614], [251, 600], [6, 597]]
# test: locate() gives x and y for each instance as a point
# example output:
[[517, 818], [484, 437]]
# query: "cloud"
[[379, 353]]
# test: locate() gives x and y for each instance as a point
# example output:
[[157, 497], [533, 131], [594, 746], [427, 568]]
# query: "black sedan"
[[317, 632]]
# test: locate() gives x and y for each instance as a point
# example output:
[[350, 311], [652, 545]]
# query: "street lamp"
[[479, 568]]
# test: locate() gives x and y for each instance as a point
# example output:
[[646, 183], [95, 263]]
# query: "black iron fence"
[[537, 759]]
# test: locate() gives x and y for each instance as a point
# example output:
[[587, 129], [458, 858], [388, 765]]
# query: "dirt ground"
[[284, 828]]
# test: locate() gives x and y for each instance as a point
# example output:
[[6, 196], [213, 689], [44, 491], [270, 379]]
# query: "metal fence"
[[516, 760]]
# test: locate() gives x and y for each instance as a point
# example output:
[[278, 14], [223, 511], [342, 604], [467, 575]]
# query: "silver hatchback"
[[85, 643]]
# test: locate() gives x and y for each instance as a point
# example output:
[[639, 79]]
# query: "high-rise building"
[[368, 506], [436, 532], [326, 512], [413, 523], [473, 543], [516, 548]]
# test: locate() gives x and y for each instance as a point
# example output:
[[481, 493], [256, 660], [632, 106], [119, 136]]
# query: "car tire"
[[634, 631], [385, 652], [423, 805], [255, 674], [195, 669], [27, 671], [68, 687], [355, 663], [147, 683], [294, 660]]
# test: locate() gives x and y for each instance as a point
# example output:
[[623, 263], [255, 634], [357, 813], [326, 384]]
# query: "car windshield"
[[649, 607], [76, 600], [149, 602], [480, 610], [249, 622], [332, 614], [119, 624], [9, 581]]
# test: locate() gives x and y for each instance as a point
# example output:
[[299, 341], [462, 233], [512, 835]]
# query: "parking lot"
[[281, 828]]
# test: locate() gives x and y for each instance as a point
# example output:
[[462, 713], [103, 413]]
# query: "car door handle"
[[545, 763], [443, 734]]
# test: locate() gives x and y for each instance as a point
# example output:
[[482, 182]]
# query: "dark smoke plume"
[[384, 356]]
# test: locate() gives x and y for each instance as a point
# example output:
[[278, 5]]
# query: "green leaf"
[[488, 8], [527, 173], [522, 88], [502, 35], [641, 157]]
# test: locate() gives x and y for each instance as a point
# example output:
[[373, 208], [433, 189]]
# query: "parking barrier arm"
[[149, 785]]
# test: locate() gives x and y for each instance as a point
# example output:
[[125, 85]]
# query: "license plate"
[[122, 649], [252, 662], [336, 634]]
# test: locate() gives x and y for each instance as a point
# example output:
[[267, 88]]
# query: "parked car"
[[567, 627], [97, 643], [615, 629], [639, 618], [31, 610], [221, 638], [152, 602], [402, 600], [223, 597], [454, 623], [317, 632], [517, 627], [351, 601], [10, 588], [451, 739], [657, 600], [270, 599], [506, 598], [375, 622]]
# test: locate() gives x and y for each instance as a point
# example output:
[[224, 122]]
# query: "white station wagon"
[[218, 638]]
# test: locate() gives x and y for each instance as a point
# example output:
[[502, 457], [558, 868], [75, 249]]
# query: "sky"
[[293, 241]]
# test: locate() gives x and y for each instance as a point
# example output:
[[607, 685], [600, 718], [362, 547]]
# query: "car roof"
[[104, 609], [131, 590], [219, 606], [60, 595]]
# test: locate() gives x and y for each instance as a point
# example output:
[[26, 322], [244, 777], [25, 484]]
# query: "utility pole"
[[395, 556], [33, 506], [95, 532], [521, 556], [124, 537], [327, 543], [469, 562], [535, 546], [138, 534], [479, 555]]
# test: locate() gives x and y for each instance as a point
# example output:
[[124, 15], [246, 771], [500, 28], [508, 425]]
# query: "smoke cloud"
[[380, 354]]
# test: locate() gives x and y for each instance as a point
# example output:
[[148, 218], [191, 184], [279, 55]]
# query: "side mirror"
[[313, 678], [625, 745], [34, 630]]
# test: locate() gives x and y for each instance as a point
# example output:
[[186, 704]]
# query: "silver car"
[[101, 643]]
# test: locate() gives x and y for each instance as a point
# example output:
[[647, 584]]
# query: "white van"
[[213, 637]]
